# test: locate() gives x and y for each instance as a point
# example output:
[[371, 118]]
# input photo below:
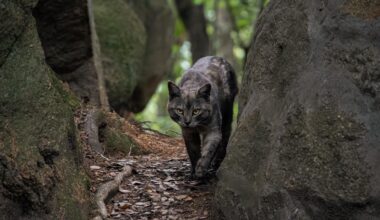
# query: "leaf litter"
[[160, 187]]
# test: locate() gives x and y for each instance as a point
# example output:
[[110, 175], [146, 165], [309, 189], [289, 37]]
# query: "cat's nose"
[[187, 122]]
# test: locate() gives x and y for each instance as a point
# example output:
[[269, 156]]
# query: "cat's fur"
[[202, 104]]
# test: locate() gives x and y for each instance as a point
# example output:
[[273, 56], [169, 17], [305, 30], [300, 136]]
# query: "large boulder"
[[64, 30], [307, 142], [40, 174], [122, 39]]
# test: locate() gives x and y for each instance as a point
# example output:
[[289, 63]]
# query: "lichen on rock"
[[39, 154]]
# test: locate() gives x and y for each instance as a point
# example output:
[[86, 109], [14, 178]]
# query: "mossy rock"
[[40, 156], [113, 136], [122, 40], [115, 140], [365, 9]]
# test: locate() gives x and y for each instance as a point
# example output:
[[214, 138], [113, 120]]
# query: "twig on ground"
[[108, 190], [104, 157]]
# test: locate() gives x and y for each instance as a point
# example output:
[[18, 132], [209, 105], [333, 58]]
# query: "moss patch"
[[117, 141], [39, 154], [365, 9], [122, 40], [114, 138]]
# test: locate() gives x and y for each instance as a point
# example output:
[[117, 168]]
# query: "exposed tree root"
[[153, 141], [108, 190], [104, 103], [92, 130]]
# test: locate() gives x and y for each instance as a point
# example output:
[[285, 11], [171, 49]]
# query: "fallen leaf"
[[171, 185], [173, 217], [169, 178], [155, 197], [167, 203], [181, 197], [125, 206], [137, 183], [124, 190], [95, 167], [146, 204], [188, 199]]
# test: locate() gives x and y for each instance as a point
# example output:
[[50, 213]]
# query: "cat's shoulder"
[[220, 71], [206, 62]]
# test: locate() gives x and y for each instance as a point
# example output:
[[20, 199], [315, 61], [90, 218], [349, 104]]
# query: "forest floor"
[[159, 188]]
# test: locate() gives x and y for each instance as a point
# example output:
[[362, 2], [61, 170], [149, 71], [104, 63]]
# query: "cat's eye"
[[179, 111], [196, 111]]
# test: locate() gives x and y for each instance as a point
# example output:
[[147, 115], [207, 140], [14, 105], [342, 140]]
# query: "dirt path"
[[160, 188]]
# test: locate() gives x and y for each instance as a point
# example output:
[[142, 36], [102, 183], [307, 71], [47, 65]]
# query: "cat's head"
[[190, 108]]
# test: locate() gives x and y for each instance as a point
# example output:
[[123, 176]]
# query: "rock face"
[[64, 30], [307, 142], [40, 174]]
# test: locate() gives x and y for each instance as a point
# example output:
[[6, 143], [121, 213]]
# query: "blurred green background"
[[229, 26]]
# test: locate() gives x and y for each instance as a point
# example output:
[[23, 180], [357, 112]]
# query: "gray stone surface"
[[40, 159], [64, 30], [307, 142]]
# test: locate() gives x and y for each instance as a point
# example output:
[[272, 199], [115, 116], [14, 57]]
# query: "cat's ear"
[[174, 90], [204, 91]]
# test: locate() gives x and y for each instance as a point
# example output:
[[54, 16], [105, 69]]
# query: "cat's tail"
[[232, 83]]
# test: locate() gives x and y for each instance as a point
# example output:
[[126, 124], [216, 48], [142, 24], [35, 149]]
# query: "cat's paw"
[[200, 170], [200, 173], [192, 175]]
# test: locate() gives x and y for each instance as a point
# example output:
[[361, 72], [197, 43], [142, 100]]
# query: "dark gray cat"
[[202, 105]]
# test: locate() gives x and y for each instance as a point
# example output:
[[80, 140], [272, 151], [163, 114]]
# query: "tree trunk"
[[158, 20], [195, 22], [224, 44], [307, 140], [261, 5], [97, 59]]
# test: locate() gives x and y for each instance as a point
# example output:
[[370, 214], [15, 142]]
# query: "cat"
[[202, 104]]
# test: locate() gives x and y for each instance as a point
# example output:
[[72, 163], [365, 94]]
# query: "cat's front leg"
[[193, 147], [210, 145]]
